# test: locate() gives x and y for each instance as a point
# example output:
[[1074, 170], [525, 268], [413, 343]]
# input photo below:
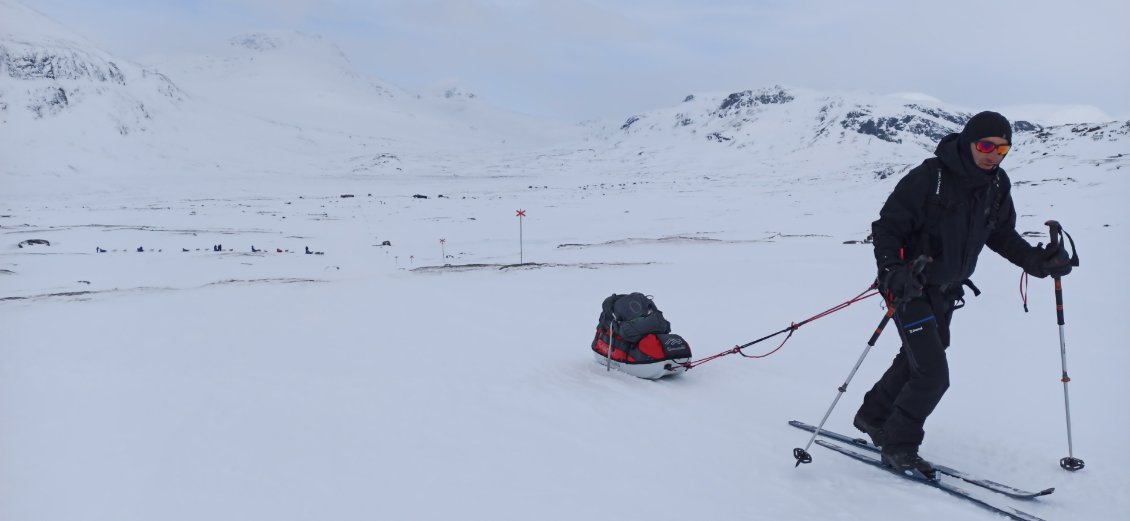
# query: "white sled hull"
[[652, 371]]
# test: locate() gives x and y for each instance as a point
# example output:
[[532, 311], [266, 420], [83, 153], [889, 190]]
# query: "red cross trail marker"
[[442, 253]]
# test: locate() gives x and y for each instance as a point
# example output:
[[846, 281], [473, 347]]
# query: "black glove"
[[900, 282], [1058, 264], [1042, 262]]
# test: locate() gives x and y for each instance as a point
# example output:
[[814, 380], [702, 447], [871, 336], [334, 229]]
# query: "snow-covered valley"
[[429, 380]]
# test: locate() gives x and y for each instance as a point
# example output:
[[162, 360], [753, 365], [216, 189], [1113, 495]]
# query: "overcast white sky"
[[574, 59]]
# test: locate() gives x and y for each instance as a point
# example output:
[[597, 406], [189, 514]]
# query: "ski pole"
[[802, 455], [1054, 240]]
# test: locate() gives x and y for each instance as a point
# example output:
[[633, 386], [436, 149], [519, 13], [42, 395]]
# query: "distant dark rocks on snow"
[[48, 102], [867, 240], [376, 162], [30, 63], [524, 266], [256, 42], [889, 171], [958, 119], [454, 93], [34, 242], [1101, 131], [748, 98], [58, 78], [891, 128]]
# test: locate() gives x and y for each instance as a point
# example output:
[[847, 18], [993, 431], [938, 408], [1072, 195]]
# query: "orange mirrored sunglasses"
[[985, 147]]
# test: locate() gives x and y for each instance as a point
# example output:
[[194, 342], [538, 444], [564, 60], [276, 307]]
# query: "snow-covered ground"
[[429, 380], [369, 382]]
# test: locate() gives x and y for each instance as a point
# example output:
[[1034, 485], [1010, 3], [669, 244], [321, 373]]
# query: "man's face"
[[988, 160]]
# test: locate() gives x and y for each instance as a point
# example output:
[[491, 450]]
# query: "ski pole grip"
[[1054, 233]]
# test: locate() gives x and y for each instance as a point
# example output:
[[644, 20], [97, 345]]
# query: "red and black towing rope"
[[868, 293]]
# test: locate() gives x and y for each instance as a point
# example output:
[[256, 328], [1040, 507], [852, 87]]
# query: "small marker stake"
[[521, 256]]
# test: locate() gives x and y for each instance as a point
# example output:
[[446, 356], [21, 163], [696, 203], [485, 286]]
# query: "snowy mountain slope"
[[882, 134], [265, 105], [753, 119], [292, 78], [306, 81], [288, 105], [52, 78], [118, 122]]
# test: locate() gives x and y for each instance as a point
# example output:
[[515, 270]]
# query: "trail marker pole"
[[521, 253]]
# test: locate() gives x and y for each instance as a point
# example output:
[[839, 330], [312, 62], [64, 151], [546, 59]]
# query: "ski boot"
[[905, 460], [875, 432]]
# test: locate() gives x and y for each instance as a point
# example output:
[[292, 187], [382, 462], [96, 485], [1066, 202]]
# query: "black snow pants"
[[919, 375]]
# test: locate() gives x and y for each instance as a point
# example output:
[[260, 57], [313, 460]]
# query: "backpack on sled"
[[632, 336]]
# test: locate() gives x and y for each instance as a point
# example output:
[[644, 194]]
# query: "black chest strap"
[[933, 214]]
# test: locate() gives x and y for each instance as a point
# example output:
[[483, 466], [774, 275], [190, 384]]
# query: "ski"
[[943, 485], [989, 484]]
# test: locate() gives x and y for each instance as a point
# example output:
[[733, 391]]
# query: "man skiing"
[[947, 209]]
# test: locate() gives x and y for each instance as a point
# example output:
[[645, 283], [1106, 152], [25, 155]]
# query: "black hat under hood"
[[954, 148]]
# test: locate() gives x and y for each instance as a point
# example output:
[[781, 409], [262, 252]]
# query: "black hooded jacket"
[[973, 208]]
